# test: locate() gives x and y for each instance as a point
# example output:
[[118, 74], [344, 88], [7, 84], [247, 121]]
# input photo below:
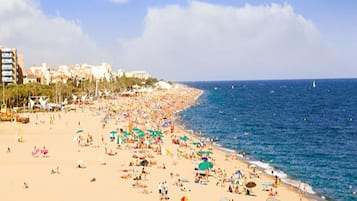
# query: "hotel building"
[[10, 71]]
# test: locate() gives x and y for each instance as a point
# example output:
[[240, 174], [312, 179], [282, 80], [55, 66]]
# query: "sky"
[[189, 40]]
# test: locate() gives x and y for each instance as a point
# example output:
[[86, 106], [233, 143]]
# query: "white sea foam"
[[260, 164], [283, 176]]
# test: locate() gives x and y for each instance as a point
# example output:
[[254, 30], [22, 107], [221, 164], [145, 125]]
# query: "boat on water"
[[313, 84]]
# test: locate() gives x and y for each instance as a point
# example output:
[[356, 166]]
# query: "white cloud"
[[43, 39], [119, 1], [211, 42]]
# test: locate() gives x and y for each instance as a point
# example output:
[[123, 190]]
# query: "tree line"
[[18, 95]]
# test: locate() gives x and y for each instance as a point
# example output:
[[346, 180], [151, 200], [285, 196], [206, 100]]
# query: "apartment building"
[[10, 70]]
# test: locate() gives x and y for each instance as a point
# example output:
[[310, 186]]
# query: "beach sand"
[[98, 169]]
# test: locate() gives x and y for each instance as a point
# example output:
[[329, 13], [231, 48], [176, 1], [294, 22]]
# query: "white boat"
[[313, 84]]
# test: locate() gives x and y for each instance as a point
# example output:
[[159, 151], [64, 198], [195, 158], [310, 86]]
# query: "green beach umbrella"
[[205, 165], [205, 152], [80, 131], [113, 133], [159, 133], [141, 135], [196, 143], [126, 133], [184, 138]]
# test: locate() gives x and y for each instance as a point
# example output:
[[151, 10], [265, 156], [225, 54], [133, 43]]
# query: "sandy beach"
[[70, 156]]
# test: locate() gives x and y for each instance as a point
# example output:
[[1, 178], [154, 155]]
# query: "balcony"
[[7, 73], [7, 54], [7, 79], [7, 67], [7, 61]]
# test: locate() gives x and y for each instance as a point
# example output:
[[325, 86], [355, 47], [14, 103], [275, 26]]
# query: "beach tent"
[[163, 85]]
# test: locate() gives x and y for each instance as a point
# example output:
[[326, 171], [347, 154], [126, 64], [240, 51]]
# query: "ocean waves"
[[308, 134]]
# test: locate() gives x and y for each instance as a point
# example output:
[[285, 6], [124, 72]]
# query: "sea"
[[305, 129]]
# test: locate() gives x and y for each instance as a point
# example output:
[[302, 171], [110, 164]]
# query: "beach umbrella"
[[250, 184], [184, 198], [126, 133], [79, 131], [238, 174], [196, 143], [166, 123], [141, 135], [159, 133], [205, 152], [137, 130], [204, 158], [184, 138], [266, 184], [205, 165], [113, 133]]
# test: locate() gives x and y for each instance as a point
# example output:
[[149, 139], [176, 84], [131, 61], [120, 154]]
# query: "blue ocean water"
[[308, 133]]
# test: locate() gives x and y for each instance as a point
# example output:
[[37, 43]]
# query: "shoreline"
[[107, 163]]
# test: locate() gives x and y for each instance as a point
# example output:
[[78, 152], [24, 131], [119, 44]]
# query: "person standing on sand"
[[160, 190]]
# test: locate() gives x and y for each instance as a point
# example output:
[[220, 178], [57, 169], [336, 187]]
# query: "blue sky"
[[189, 40]]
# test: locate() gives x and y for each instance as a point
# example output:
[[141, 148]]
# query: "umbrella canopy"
[[197, 143], [113, 133], [141, 135], [205, 152], [126, 133], [155, 133], [166, 123], [250, 184], [238, 174], [205, 165], [79, 131], [184, 198], [267, 184], [138, 130], [159, 133], [184, 138]]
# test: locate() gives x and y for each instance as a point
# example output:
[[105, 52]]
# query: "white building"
[[138, 74], [103, 71], [42, 72]]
